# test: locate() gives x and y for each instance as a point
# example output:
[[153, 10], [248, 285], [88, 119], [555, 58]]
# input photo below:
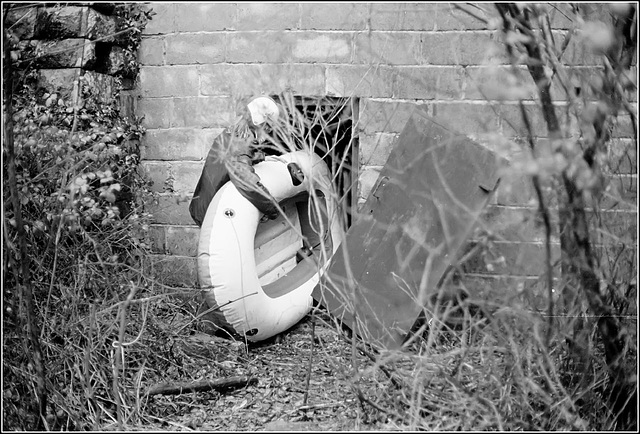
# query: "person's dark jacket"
[[239, 170]]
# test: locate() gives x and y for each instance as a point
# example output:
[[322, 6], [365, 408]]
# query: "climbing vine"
[[80, 226]]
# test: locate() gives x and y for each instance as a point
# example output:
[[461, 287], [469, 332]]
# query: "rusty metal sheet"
[[422, 209]]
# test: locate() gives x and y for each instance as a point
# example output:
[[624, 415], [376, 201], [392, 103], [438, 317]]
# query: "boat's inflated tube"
[[226, 262]]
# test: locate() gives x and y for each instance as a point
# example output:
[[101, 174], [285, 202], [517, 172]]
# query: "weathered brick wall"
[[197, 58]]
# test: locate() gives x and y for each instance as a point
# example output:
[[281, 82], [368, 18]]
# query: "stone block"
[[334, 16], [61, 22], [186, 175], [99, 26], [101, 85], [384, 116], [257, 47], [151, 51], [465, 118], [246, 80], [518, 224], [361, 81], [323, 47], [427, 16], [160, 176], [175, 271], [461, 48], [202, 112], [375, 149], [165, 81], [509, 258], [104, 8], [186, 49], [205, 17], [388, 48], [66, 53], [64, 82], [74, 22], [517, 292], [156, 112], [21, 21], [367, 180], [168, 209], [499, 83], [182, 240], [614, 227], [157, 239], [267, 16], [163, 21], [426, 82], [177, 143], [622, 156]]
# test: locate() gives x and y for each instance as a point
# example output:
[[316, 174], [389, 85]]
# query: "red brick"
[[202, 112], [163, 81], [334, 16], [268, 16], [324, 47], [247, 80], [426, 82], [207, 17], [187, 49], [177, 143], [363, 81], [258, 47], [388, 48], [163, 21], [182, 240]]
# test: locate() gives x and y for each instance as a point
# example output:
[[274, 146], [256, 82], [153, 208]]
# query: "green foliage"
[[133, 16], [79, 187]]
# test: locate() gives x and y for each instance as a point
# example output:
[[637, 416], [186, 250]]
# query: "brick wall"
[[198, 58]]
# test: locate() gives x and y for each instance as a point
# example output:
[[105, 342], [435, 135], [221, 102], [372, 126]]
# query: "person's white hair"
[[263, 108]]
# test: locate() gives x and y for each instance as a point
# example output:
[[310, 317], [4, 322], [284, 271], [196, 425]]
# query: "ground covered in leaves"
[[295, 387]]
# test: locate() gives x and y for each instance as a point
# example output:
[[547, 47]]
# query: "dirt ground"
[[280, 399]]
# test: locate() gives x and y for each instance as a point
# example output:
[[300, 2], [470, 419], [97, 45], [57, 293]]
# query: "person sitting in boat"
[[245, 144]]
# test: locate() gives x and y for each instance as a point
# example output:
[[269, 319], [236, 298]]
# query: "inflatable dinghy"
[[257, 277]]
